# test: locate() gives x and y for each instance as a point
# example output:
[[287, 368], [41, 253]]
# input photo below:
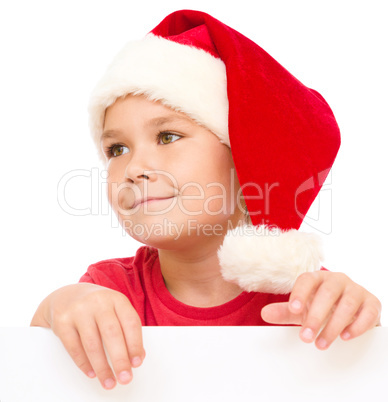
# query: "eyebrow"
[[108, 134], [159, 121], [154, 122]]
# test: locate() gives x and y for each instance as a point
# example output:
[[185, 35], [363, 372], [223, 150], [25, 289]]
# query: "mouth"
[[149, 199]]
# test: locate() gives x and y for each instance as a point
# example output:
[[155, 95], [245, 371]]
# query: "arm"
[[84, 316], [326, 305]]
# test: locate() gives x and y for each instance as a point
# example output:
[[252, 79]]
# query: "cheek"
[[226, 183], [110, 193], [213, 187], [121, 196]]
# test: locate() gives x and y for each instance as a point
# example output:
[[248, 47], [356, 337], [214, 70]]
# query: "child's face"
[[155, 152]]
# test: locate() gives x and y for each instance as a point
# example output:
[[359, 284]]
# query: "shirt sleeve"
[[86, 278], [116, 274]]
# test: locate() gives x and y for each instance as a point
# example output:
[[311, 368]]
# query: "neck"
[[192, 275]]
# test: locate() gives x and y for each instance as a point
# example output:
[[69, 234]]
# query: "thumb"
[[279, 313]]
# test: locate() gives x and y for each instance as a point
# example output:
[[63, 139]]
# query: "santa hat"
[[283, 135]]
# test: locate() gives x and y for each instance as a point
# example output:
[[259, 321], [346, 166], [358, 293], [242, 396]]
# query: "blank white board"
[[203, 364]]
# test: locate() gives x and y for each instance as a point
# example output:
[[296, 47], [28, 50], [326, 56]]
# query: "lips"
[[143, 200]]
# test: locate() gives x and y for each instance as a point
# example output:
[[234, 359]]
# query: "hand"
[[328, 302], [84, 316]]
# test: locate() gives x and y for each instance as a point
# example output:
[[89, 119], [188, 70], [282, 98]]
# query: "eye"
[[116, 150], [165, 137]]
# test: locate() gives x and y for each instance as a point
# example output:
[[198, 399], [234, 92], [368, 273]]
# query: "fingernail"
[[308, 334], [322, 344], [296, 305], [346, 335], [109, 383], [136, 361], [91, 374], [125, 377]]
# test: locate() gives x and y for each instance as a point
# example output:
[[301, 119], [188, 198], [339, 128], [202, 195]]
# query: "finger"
[[279, 313], [343, 315], [132, 330], [325, 298], [115, 344], [73, 345], [92, 344], [304, 287], [367, 318]]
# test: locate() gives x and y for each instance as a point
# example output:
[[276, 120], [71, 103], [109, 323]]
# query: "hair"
[[247, 218]]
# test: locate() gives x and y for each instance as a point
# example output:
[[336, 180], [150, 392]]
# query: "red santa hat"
[[283, 136]]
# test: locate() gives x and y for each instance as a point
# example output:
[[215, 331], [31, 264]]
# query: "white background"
[[194, 365], [53, 53]]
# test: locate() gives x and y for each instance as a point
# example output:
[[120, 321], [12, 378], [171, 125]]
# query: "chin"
[[161, 242]]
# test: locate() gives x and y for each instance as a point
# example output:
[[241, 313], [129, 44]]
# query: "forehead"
[[152, 113]]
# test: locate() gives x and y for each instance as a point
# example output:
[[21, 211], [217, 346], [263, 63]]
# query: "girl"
[[215, 153]]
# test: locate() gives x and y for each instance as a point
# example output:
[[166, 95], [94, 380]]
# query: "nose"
[[137, 170]]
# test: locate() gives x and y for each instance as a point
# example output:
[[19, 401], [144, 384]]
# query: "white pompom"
[[268, 260]]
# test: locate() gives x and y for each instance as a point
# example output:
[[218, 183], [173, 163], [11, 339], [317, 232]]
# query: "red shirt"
[[140, 279]]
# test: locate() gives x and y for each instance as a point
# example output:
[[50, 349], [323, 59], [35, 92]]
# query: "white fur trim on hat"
[[268, 260], [182, 77]]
